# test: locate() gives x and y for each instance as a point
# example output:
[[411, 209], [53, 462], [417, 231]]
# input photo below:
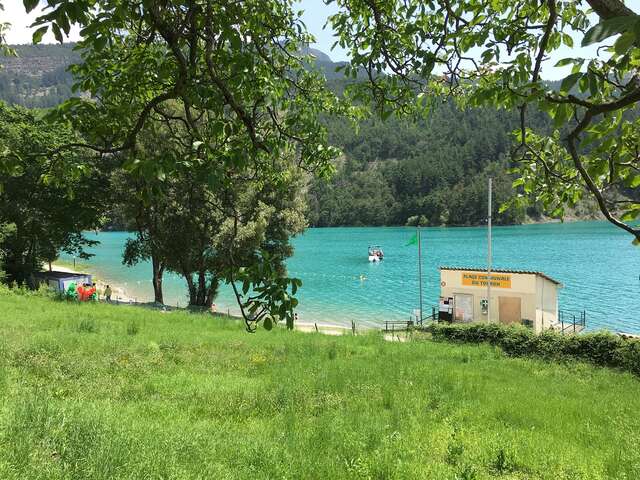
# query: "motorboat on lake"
[[375, 253]]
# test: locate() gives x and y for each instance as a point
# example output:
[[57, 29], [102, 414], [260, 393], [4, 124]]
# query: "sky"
[[315, 16]]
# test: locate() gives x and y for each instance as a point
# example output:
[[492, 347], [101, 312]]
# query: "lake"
[[595, 261]]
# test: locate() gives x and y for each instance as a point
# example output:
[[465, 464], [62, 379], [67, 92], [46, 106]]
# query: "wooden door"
[[510, 310], [463, 308]]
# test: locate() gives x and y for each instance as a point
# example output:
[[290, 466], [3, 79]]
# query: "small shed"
[[517, 296], [60, 280]]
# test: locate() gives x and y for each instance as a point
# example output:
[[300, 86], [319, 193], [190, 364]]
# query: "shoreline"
[[119, 294], [120, 297], [543, 220]]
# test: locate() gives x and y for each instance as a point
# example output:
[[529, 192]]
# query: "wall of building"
[[547, 304]]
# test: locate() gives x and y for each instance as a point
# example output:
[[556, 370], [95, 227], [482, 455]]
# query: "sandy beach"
[[120, 296]]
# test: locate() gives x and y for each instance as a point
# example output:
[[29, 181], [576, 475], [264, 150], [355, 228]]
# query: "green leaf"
[[568, 41], [57, 33], [593, 83], [565, 61], [561, 115], [30, 4], [100, 42], [268, 323], [608, 28], [39, 33], [624, 42], [583, 85], [568, 83], [631, 214]]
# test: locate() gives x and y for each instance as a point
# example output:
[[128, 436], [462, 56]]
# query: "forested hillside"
[[37, 77], [433, 170], [396, 172]]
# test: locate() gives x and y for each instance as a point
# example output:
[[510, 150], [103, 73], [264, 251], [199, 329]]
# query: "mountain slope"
[[393, 172], [37, 77]]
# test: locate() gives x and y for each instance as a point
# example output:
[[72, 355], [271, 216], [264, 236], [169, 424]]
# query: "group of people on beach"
[[86, 292], [89, 291]]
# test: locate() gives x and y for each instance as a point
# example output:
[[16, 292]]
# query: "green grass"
[[99, 391]]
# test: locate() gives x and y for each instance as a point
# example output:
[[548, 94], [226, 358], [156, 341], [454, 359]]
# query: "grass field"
[[98, 391]]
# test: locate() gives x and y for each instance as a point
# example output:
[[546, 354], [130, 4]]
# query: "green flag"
[[413, 241]]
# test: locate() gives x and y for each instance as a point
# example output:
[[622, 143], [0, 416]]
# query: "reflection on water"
[[595, 261]]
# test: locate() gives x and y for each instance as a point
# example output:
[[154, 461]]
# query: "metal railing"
[[568, 322], [414, 321], [398, 325], [571, 322]]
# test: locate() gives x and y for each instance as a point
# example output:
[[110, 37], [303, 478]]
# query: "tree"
[[48, 206], [5, 231], [488, 52], [238, 64], [4, 26], [206, 230], [210, 235]]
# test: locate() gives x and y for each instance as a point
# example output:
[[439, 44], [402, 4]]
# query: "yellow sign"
[[475, 279]]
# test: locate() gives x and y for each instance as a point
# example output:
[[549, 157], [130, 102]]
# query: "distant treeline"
[[432, 170]]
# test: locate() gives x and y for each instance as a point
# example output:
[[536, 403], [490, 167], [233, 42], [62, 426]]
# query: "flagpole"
[[420, 270], [489, 259]]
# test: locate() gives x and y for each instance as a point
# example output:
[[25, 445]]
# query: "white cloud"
[[20, 32]]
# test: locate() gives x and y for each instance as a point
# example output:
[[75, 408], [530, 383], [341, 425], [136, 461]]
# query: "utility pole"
[[489, 255], [420, 270]]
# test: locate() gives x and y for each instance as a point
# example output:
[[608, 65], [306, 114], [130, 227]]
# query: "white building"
[[523, 297]]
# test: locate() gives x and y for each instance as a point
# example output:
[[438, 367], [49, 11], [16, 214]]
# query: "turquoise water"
[[595, 261]]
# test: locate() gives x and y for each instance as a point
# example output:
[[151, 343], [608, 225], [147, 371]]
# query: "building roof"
[[60, 275], [498, 270]]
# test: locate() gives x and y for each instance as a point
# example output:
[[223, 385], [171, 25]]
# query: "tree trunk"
[[201, 294], [212, 291], [193, 299], [202, 289], [158, 271]]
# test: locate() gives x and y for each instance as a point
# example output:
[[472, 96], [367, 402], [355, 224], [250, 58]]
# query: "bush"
[[43, 291], [87, 325], [132, 328], [600, 348]]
